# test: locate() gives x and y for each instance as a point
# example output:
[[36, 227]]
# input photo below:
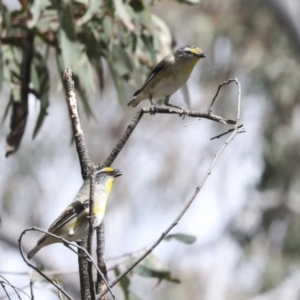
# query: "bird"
[[168, 76], [73, 223]]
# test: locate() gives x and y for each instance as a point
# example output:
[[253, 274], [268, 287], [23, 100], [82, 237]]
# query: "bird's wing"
[[160, 67], [72, 211]]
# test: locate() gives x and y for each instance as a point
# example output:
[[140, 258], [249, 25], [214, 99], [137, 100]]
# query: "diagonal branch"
[[236, 129]]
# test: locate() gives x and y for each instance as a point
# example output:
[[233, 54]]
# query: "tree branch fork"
[[88, 169]]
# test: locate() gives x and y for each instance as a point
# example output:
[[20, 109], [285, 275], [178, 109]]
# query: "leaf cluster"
[[83, 35]]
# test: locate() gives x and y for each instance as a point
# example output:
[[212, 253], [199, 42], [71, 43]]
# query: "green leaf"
[[87, 77], [184, 238], [7, 20], [119, 82], [123, 14], [94, 7], [163, 29], [35, 10], [80, 89], [190, 2], [83, 95], [124, 283], [7, 107], [152, 267], [107, 30], [1, 67], [140, 14], [68, 39], [123, 56], [41, 83]]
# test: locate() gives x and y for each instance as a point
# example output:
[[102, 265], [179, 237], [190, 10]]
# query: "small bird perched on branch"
[[168, 76], [73, 223]]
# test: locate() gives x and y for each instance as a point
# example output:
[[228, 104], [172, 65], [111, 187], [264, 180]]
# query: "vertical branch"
[[83, 270], [100, 260], [100, 286], [84, 159], [91, 231], [86, 165]]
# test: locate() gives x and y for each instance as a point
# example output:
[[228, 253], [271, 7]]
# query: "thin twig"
[[197, 190], [31, 285], [50, 272], [4, 288], [218, 90], [59, 292], [238, 106], [33, 267], [237, 129], [228, 131], [65, 242], [191, 113], [16, 289]]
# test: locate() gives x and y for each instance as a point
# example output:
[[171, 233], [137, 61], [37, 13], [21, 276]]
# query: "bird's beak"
[[117, 173], [202, 55]]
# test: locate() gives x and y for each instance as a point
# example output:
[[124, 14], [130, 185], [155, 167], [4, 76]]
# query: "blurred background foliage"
[[247, 239]]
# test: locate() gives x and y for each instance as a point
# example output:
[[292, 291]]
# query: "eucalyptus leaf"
[[184, 238], [119, 83], [122, 13], [161, 275], [1, 68], [124, 283], [93, 8], [191, 2], [86, 75], [122, 56], [152, 267], [35, 10], [41, 83], [83, 95], [68, 39], [8, 105], [107, 29]]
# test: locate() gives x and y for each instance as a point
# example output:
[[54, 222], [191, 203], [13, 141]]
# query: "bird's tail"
[[134, 102], [44, 241], [34, 251]]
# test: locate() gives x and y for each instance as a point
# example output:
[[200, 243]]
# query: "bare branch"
[[84, 159], [237, 129], [100, 286], [85, 165], [91, 232], [219, 88], [36, 269], [17, 290], [66, 243], [110, 159]]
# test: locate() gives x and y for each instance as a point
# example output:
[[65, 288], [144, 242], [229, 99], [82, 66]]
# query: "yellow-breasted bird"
[[73, 223], [168, 76]]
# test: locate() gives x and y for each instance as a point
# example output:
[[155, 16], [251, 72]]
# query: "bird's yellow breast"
[[190, 66]]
